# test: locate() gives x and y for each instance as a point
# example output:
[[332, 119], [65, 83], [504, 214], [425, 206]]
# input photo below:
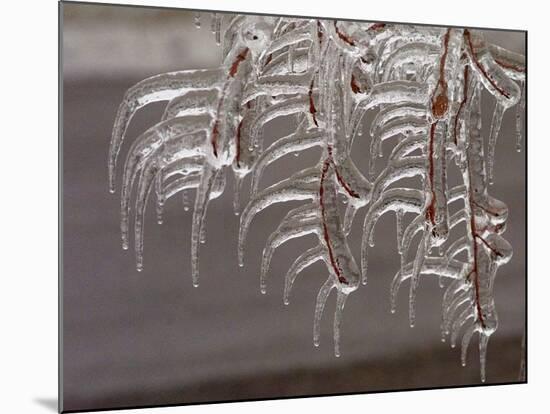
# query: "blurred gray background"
[[150, 338]]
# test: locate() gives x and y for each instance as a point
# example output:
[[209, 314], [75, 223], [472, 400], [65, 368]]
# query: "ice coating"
[[323, 75]]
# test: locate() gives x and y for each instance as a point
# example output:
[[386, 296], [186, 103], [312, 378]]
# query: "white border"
[[28, 171]]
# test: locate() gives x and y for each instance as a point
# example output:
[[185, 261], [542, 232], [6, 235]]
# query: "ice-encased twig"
[[326, 74]]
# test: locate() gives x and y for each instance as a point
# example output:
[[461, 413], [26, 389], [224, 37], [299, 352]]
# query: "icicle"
[[364, 266], [483, 340], [402, 264], [360, 129], [371, 238], [201, 202], [319, 306], [519, 118], [160, 198], [131, 169], [493, 135], [399, 225], [410, 232], [340, 302], [145, 185], [418, 261], [236, 196], [465, 343]]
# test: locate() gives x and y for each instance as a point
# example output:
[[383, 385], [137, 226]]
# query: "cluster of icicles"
[[425, 84]]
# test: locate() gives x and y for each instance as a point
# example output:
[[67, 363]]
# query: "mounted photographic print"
[[258, 207]]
